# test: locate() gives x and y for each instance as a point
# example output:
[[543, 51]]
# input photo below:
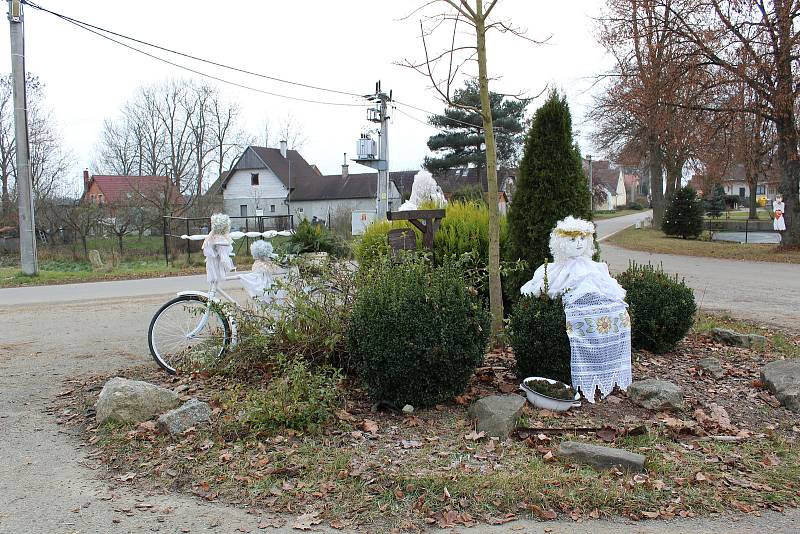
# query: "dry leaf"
[[126, 477], [546, 515], [475, 436], [307, 521], [370, 426], [650, 515], [607, 434], [411, 444], [343, 415]]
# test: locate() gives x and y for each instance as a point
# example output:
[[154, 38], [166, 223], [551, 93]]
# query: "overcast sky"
[[345, 44]]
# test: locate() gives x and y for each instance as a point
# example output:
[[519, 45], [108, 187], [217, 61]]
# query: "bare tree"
[[469, 18], [757, 42], [288, 129], [82, 219], [7, 147]]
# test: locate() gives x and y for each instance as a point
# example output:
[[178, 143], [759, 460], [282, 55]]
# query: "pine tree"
[[684, 214], [463, 143], [550, 186], [716, 204]]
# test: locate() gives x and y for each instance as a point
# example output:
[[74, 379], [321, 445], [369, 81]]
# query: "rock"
[[712, 366], [782, 378], [600, 457], [190, 414], [656, 394], [408, 409], [133, 401], [735, 339], [497, 415], [96, 261]]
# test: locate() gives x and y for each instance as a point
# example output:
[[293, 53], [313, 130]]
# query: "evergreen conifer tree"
[[551, 185], [716, 204], [684, 214]]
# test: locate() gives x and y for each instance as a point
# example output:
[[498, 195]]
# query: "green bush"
[[374, 244], [635, 206], [316, 238], [416, 334], [469, 193], [661, 307], [684, 214], [538, 335], [297, 398]]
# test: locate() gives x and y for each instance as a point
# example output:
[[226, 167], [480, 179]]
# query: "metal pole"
[[383, 170], [27, 225], [591, 181], [164, 234], [188, 245]]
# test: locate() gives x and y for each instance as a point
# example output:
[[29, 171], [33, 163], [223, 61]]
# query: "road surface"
[[49, 484]]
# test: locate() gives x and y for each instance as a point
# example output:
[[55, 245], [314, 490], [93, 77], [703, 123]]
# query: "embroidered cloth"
[[599, 331]]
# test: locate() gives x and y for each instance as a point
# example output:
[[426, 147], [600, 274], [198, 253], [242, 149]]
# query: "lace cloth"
[[778, 223], [259, 282], [599, 331], [574, 278]]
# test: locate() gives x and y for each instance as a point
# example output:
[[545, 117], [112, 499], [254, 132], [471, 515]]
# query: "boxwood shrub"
[[416, 334], [538, 334], [661, 307]]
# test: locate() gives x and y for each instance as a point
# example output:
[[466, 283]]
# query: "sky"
[[346, 45]]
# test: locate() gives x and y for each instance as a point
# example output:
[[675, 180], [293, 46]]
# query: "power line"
[[469, 124], [97, 31]]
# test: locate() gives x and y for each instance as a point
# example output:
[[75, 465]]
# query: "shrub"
[[684, 214], [297, 398], [469, 193], [715, 205], [539, 338], [316, 238], [416, 334], [551, 185], [635, 206], [374, 245], [661, 307]]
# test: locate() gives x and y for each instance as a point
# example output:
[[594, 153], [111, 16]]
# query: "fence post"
[[164, 234], [746, 227], [188, 246]]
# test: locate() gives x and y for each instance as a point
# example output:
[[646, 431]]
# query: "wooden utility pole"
[[27, 226]]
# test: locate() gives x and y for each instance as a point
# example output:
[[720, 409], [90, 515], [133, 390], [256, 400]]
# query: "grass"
[[649, 240], [705, 322], [65, 264], [597, 215]]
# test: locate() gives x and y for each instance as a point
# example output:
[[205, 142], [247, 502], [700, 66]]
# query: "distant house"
[[609, 177], [110, 189], [276, 183]]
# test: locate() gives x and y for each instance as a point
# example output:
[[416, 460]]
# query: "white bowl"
[[548, 403]]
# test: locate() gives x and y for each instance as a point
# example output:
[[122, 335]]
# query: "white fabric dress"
[[598, 325], [217, 250], [779, 222], [259, 282]]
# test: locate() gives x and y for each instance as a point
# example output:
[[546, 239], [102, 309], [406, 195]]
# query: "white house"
[[272, 184], [611, 178]]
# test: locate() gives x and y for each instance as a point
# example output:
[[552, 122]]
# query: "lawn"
[[649, 240], [64, 264], [597, 215]]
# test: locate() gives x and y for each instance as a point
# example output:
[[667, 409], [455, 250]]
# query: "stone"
[[600, 457], [96, 260], [735, 339], [656, 394], [712, 366], [192, 413], [408, 409], [133, 401], [782, 378], [497, 415]]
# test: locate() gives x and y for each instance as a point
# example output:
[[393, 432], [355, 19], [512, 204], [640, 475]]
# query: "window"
[[741, 192], [243, 210], [254, 179], [299, 210], [760, 189], [272, 208]]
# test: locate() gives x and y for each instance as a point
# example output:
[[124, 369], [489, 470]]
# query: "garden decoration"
[[424, 189], [598, 325], [217, 248], [778, 223], [259, 281]]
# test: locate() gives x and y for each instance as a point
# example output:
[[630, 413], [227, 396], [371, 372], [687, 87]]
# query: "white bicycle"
[[194, 327]]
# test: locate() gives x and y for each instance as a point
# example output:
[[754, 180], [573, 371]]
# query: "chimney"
[[345, 168], [283, 148], [85, 180]]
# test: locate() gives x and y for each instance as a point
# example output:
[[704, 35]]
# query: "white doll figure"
[[779, 222], [598, 325], [424, 189], [217, 248], [259, 282]]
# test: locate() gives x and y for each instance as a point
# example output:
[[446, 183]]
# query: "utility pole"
[[380, 114], [27, 226]]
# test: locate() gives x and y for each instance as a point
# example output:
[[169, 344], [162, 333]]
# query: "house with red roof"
[[110, 190]]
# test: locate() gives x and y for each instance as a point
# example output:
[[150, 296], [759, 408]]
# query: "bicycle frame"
[[211, 299]]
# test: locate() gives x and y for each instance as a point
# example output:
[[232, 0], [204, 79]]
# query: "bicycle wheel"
[[176, 339]]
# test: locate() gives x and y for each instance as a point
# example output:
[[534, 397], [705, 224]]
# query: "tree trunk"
[[495, 285], [119, 238], [655, 167], [790, 179], [752, 184], [85, 247]]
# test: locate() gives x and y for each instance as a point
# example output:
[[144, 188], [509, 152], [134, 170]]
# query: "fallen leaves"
[[475, 436], [368, 425], [307, 521]]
